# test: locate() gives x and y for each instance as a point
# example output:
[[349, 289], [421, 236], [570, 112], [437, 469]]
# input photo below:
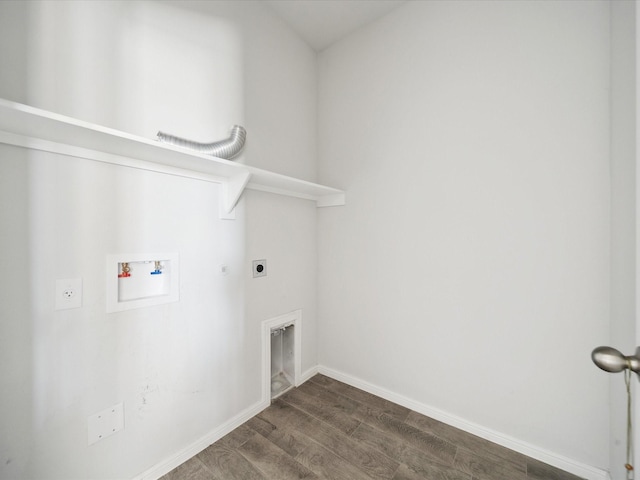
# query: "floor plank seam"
[[349, 435], [353, 431], [204, 465], [380, 413]]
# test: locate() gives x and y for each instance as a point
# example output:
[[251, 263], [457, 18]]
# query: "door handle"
[[611, 360]]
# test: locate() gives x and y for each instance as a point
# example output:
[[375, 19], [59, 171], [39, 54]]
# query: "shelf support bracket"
[[231, 189]]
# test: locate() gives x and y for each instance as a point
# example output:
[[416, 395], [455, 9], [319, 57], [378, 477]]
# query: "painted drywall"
[[469, 270], [623, 215], [184, 369], [282, 122]]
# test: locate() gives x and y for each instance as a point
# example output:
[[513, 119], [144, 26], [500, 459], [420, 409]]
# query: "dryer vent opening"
[[282, 359]]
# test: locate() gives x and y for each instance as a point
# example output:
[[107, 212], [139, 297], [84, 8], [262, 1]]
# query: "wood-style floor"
[[327, 429]]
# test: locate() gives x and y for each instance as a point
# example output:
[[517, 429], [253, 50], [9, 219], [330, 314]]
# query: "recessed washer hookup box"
[[141, 280]]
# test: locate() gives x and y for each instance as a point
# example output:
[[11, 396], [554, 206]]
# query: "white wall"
[[469, 270], [183, 369], [623, 214]]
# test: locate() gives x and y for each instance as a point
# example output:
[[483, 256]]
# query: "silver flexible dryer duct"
[[227, 148]]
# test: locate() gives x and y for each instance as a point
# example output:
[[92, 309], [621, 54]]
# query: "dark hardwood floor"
[[327, 429]]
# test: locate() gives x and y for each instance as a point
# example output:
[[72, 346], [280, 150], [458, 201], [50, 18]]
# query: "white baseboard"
[[580, 469], [164, 467], [307, 375]]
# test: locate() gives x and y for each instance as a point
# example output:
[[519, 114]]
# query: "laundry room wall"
[[183, 370], [468, 274]]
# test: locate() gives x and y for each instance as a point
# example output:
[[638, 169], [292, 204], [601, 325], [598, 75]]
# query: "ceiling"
[[323, 22]]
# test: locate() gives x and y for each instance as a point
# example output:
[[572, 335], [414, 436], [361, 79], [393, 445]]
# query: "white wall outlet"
[[68, 293], [105, 423], [259, 268]]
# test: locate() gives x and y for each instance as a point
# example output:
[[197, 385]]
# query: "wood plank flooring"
[[326, 429]]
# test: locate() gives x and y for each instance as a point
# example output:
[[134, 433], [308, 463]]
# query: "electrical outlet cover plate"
[[68, 293], [105, 423], [259, 268]]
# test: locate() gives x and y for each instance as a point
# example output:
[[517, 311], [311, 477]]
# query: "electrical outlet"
[[259, 268], [68, 293]]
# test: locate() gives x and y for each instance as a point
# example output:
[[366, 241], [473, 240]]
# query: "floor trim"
[[308, 374], [577, 468], [580, 469], [165, 466]]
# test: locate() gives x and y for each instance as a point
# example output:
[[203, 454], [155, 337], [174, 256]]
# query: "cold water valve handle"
[[611, 360]]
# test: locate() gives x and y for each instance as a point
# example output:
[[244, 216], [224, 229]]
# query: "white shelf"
[[30, 127]]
